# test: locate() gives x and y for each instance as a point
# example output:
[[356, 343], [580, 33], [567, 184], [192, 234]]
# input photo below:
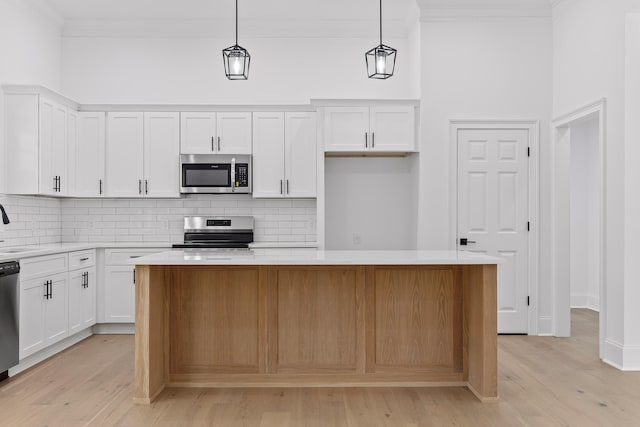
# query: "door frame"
[[560, 245], [533, 127]]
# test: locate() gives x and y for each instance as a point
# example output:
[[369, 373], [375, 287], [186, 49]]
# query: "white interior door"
[[493, 170]]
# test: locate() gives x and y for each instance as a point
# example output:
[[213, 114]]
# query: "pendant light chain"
[[237, 21]]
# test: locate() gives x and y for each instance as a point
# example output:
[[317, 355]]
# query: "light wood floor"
[[542, 382]]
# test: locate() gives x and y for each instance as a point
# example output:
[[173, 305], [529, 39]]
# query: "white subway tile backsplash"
[[34, 220], [161, 220], [42, 220]]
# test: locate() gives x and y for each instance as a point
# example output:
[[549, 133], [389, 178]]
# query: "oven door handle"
[[233, 174]]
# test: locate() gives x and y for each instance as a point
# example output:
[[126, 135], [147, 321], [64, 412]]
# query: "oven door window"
[[206, 175]]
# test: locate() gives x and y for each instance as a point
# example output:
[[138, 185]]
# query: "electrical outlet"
[[356, 239]]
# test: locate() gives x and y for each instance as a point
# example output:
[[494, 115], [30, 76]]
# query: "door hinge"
[[528, 151], [528, 226], [528, 301]]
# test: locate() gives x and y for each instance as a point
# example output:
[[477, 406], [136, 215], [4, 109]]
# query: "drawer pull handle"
[[135, 256], [84, 259]]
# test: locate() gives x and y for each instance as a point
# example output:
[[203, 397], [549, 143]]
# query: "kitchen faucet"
[[5, 218]]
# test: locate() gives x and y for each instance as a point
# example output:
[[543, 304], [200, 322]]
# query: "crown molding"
[[489, 10], [206, 28]]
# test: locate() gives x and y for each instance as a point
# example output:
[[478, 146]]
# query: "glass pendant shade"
[[381, 62], [236, 62], [236, 58]]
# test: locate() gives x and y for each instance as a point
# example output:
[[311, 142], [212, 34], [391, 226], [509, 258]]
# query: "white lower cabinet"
[[43, 312], [119, 303], [56, 303], [119, 288], [82, 298]]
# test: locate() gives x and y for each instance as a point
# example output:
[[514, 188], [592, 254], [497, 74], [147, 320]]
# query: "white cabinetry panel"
[[197, 133], [161, 158], [268, 154], [125, 146], [87, 156]]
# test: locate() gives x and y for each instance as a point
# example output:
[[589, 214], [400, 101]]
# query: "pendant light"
[[381, 60], [236, 58]]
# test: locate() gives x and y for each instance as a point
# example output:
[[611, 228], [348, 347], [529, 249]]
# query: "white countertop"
[[28, 251], [312, 257]]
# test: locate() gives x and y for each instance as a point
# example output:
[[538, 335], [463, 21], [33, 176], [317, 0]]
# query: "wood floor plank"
[[543, 381]]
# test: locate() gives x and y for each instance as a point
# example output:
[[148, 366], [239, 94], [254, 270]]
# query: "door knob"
[[465, 241]]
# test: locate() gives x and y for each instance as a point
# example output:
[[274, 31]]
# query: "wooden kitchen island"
[[280, 318]]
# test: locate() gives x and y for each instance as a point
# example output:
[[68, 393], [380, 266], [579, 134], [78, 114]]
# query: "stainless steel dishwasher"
[[9, 316]]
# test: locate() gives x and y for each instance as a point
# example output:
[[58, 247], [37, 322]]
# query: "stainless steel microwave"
[[215, 173]]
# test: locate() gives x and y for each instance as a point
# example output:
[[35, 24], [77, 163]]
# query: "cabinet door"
[[197, 133], [346, 129], [56, 311], [161, 154], [124, 167], [393, 129], [234, 133], [82, 299], [88, 300], [32, 300], [76, 288], [87, 158], [47, 181], [300, 153], [119, 294], [268, 155], [66, 135]]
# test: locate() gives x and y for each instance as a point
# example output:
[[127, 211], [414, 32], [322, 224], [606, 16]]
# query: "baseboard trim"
[[114, 328], [46, 353]]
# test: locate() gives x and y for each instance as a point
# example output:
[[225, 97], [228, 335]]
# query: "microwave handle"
[[233, 174]]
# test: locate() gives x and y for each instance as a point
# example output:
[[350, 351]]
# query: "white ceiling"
[[216, 9], [269, 18]]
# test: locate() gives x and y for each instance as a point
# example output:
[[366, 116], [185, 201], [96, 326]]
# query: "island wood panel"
[[415, 319], [150, 355], [480, 339], [214, 320], [233, 326], [318, 321]]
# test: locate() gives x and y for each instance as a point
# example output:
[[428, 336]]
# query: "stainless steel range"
[[202, 232]]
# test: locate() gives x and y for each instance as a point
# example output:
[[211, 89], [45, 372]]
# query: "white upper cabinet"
[[377, 128], [300, 154], [125, 144], [142, 155], [198, 133], [161, 159], [87, 156], [268, 155], [210, 133], [392, 128], [53, 148], [35, 155], [234, 133], [284, 155], [346, 128]]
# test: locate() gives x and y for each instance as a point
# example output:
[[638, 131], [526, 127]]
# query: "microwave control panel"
[[242, 175]]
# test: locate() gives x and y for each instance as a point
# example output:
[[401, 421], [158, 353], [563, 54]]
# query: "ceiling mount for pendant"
[[381, 60], [236, 58]]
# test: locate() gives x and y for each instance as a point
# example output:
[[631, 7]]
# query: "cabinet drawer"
[[31, 268], [82, 259], [122, 256]]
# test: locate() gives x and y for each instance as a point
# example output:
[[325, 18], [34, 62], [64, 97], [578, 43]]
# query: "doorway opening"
[[578, 215]]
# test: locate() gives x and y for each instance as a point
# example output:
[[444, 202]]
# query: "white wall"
[[500, 68], [190, 71], [30, 53], [589, 64], [370, 203], [585, 216]]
